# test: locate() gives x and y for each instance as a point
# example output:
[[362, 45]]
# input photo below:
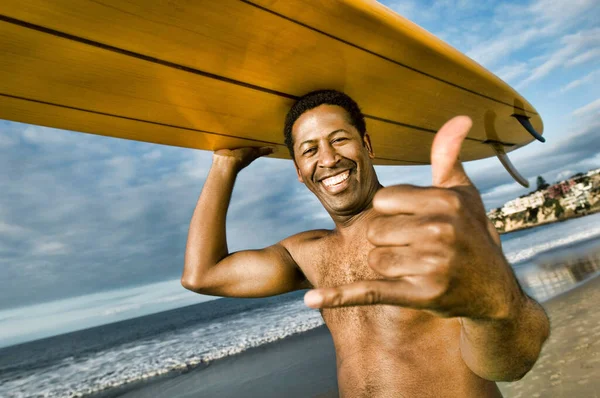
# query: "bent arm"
[[209, 267], [505, 349]]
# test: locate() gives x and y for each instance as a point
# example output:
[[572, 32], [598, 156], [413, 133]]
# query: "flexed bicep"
[[251, 273]]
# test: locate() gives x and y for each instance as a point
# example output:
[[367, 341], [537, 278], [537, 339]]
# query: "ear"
[[298, 173], [367, 144]]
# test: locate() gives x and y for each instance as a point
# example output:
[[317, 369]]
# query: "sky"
[[102, 223]]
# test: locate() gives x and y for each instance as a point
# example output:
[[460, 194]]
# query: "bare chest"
[[336, 264]]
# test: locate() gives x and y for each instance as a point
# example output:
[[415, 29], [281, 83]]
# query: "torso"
[[384, 350]]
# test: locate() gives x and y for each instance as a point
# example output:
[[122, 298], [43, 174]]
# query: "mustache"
[[343, 165]]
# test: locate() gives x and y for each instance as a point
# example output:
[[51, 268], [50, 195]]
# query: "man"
[[412, 282]]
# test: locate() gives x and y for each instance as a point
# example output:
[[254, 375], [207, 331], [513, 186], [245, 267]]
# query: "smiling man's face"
[[333, 161]]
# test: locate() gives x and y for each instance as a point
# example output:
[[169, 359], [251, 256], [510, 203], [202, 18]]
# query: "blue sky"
[[84, 215]]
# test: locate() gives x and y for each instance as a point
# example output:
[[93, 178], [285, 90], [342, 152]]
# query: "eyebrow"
[[329, 135]]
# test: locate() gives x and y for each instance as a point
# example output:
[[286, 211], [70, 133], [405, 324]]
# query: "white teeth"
[[336, 179]]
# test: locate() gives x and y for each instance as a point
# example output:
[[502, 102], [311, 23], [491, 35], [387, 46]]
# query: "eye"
[[309, 151], [339, 139]]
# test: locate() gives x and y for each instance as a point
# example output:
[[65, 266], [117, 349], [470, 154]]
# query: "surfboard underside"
[[210, 75]]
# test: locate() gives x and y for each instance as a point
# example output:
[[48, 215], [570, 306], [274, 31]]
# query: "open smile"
[[336, 183]]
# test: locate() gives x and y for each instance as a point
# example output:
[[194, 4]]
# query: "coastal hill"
[[576, 196]]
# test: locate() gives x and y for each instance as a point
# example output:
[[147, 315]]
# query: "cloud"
[[590, 109], [564, 174], [553, 12], [577, 151], [50, 248], [570, 45], [83, 213], [152, 155], [583, 58], [516, 27], [489, 52], [501, 194], [6, 140], [510, 72], [13, 231], [579, 82], [405, 8]]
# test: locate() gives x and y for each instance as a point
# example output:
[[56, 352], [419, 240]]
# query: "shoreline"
[[272, 369], [554, 300]]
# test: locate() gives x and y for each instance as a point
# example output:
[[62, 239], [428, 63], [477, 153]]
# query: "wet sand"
[[304, 365], [569, 365], [299, 366]]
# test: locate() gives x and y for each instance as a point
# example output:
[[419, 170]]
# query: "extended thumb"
[[446, 167]]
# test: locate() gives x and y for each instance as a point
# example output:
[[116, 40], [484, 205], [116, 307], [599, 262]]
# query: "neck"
[[345, 224]]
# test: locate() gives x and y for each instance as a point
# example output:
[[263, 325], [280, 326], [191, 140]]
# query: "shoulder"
[[302, 249], [304, 245], [305, 238]]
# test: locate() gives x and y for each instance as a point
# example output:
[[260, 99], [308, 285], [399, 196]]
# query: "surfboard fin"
[[503, 157], [524, 120]]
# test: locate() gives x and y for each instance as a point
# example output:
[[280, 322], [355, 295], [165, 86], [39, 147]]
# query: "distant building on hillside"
[[517, 205], [496, 217], [571, 197], [560, 189], [578, 196], [494, 213]]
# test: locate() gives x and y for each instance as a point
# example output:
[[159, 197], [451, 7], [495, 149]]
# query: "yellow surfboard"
[[213, 74]]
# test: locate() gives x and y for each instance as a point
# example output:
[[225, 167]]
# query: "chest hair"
[[341, 264]]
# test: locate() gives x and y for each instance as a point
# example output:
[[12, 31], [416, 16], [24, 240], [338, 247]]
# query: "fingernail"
[[313, 299]]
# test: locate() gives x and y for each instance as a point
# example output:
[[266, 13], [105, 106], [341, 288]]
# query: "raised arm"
[[209, 267]]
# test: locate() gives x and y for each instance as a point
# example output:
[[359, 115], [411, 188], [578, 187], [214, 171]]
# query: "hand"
[[434, 246], [242, 157]]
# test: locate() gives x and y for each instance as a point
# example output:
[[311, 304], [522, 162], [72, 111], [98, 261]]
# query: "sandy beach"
[[569, 365], [304, 365]]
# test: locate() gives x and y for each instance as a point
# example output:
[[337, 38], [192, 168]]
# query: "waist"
[[383, 374]]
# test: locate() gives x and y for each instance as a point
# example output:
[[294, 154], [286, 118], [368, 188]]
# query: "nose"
[[328, 156]]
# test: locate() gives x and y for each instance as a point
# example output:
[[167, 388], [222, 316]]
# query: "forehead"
[[321, 120]]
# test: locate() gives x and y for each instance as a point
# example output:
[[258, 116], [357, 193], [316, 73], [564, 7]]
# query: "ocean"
[[100, 358]]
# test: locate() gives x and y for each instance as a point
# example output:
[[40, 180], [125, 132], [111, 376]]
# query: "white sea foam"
[[171, 351], [551, 237], [530, 252]]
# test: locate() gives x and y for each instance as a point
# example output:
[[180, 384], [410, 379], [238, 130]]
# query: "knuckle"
[[371, 232], [441, 230], [434, 228], [451, 201], [371, 296], [430, 265], [374, 229], [336, 298]]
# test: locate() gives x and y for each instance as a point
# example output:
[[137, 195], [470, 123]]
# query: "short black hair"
[[322, 97]]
